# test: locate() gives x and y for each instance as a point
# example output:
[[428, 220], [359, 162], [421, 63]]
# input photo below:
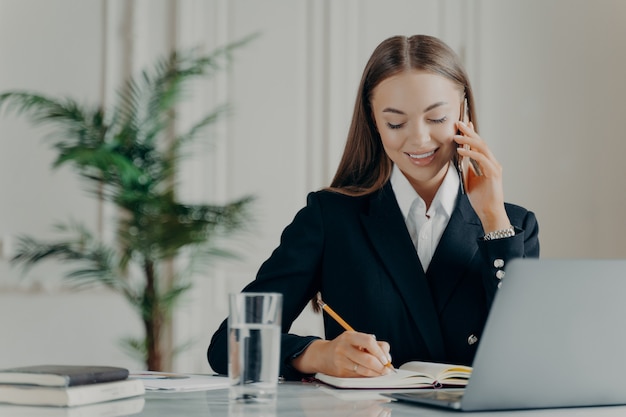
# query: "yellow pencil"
[[343, 323]]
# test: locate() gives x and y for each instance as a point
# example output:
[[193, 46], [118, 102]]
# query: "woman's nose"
[[419, 135]]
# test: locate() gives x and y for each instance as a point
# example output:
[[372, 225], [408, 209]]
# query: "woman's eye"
[[439, 121], [392, 126]]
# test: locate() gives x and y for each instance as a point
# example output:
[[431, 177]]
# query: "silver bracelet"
[[500, 234]]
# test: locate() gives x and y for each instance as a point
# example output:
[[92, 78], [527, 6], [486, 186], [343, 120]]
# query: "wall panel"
[[551, 102], [54, 48]]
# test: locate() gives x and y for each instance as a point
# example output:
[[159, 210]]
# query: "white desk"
[[297, 399]]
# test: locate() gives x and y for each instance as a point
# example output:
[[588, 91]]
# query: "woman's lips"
[[422, 158]]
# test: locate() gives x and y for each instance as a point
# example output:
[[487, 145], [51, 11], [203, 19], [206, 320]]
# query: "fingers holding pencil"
[[355, 354], [366, 345]]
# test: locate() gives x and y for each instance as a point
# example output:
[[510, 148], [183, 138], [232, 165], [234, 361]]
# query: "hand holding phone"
[[463, 162]]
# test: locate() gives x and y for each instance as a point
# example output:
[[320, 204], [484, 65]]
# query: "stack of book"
[[66, 385]]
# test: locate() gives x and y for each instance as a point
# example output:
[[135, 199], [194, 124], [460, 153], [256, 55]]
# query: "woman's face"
[[415, 114]]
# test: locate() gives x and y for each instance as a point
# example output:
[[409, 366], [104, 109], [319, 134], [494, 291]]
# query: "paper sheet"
[[168, 381]]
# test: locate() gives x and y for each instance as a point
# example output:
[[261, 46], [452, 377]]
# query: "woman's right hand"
[[349, 355]]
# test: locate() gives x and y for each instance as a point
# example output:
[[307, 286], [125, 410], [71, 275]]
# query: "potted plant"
[[129, 157]]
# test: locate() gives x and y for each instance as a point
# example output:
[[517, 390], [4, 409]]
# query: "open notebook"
[[554, 338], [410, 375]]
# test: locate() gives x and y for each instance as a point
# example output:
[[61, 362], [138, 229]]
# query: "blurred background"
[[549, 83]]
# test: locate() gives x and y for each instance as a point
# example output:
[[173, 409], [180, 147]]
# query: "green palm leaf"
[[128, 157]]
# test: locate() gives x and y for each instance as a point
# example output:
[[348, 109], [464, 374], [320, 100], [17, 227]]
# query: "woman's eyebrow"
[[392, 110], [427, 109], [432, 106]]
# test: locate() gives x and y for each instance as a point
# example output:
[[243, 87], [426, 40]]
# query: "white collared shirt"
[[429, 226]]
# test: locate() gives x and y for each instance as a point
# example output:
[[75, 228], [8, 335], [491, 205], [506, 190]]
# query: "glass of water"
[[254, 346]]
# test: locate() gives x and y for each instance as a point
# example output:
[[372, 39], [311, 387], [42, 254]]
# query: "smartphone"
[[463, 163]]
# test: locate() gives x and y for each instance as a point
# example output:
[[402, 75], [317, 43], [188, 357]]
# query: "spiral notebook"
[[554, 338]]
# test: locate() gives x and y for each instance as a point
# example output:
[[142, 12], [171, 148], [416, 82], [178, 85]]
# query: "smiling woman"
[[415, 113], [392, 244]]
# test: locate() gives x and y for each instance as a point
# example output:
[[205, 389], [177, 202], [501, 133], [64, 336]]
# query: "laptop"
[[555, 337]]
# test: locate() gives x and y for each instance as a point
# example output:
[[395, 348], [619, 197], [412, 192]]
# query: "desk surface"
[[297, 399]]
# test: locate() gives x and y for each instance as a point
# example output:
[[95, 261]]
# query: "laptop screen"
[[554, 338]]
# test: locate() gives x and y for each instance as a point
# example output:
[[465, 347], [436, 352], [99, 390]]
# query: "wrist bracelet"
[[500, 234]]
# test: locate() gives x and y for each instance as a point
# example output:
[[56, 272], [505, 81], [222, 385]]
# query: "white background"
[[548, 77]]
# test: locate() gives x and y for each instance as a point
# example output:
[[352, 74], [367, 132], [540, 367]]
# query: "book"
[[415, 374], [62, 375], [117, 408], [173, 382], [70, 396]]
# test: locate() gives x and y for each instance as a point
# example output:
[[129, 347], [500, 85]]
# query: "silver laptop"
[[555, 337]]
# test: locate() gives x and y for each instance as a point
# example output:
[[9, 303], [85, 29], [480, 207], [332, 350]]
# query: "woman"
[[395, 245]]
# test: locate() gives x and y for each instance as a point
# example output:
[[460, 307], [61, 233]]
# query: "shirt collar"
[[445, 198]]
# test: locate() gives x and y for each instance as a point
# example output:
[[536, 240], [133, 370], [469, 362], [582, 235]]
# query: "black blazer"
[[358, 253]]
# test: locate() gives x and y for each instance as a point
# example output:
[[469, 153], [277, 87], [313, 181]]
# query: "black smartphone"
[[463, 163]]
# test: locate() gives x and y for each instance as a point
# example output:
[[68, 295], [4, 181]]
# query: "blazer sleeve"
[[292, 269], [497, 253]]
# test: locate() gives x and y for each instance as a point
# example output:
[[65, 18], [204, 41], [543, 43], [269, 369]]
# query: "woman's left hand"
[[485, 192]]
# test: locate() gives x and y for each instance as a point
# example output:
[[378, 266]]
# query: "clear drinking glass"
[[254, 346]]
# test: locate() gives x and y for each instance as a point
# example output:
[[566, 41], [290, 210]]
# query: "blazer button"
[[472, 339], [498, 263]]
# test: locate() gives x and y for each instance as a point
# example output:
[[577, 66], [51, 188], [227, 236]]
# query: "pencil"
[[343, 323]]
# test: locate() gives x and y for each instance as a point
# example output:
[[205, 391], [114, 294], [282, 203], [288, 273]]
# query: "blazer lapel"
[[385, 227], [454, 253]]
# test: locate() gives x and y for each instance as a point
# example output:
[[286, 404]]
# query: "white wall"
[[56, 48], [552, 98], [548, 93]]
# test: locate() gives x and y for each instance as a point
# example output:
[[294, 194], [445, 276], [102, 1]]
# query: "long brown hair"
[[364, 166]]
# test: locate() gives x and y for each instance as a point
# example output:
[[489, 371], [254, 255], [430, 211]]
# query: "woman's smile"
[[422, 159]]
